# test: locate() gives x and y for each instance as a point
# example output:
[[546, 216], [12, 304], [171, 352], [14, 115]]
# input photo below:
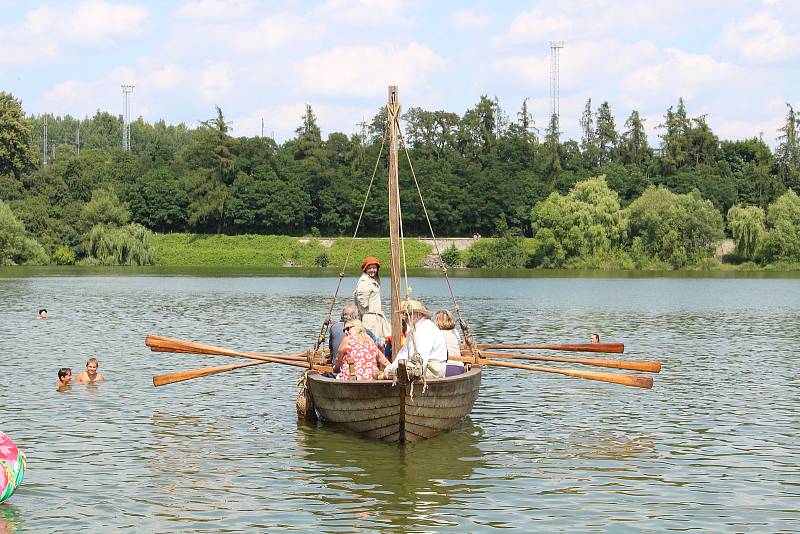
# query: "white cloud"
[[581, 64], [167, 77], [48, 34], [367, 71], [91, 23], [363, 13], [470, 19], [214, 10], [761, 39], [582, 20], [215, 81], [681, 74]]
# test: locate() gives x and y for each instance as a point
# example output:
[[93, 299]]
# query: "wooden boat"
[[399, 412], [376, 409]]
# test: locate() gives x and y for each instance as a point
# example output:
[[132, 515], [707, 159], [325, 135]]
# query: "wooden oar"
[[190, 347], [167, 344], [180, 376], [626, 380], [649, 367], [571, 347]]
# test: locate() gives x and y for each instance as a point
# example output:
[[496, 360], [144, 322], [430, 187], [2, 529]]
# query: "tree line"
[[82, 198]]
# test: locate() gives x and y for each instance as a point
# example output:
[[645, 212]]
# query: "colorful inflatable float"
[[12, 467]]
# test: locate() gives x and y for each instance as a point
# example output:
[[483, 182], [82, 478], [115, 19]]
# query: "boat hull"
[[376, 409]]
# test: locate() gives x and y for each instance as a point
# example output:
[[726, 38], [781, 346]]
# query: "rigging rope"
[[462, 323], [323, 331]]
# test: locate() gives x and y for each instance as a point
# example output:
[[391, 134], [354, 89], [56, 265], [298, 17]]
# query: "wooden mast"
[[393, 110]]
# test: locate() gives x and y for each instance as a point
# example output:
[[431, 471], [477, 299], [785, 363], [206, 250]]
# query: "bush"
[[451, 256], [63, 255], [322, 259]]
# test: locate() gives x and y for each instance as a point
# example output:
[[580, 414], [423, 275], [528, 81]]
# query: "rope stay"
[[464, 327], [323, 332]]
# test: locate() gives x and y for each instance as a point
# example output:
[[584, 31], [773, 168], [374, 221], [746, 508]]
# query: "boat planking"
[[378, 409]]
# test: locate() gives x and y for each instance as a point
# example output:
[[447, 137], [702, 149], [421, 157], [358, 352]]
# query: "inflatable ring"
[[12, 467]]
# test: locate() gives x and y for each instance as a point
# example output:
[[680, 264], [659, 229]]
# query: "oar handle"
[[570, 347], [629, 365], [625, 380]]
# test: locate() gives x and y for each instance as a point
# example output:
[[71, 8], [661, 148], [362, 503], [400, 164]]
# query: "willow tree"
[[747, 227], [107, 244]]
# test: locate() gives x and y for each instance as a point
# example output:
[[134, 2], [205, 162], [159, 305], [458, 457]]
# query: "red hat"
[[370, 260]]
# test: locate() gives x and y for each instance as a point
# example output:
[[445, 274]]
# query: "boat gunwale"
[[317, 376]]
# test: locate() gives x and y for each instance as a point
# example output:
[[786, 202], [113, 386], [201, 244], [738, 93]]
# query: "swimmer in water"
[[90, 375], [64, 377]]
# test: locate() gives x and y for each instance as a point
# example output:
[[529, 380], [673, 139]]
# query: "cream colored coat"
[[368, 299]]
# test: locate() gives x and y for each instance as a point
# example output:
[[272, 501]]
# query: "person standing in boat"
[[368, 298], [425, 339]]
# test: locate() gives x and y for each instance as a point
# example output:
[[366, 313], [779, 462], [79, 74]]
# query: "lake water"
[[713, 447]]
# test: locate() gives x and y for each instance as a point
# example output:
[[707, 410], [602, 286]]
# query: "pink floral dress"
[[365, 355]]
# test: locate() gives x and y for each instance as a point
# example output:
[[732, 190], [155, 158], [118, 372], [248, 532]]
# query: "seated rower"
[[357, 346], [90, 375], [425, 339]]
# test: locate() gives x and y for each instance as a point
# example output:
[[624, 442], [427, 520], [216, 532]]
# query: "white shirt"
[[430, 345]]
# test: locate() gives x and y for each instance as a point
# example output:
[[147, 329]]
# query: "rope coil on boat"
[[305, 402]]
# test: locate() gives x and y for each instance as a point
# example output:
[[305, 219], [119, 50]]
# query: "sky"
[[736, 61]]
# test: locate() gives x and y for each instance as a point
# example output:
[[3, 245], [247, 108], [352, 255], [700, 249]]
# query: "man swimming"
[[90, 375]]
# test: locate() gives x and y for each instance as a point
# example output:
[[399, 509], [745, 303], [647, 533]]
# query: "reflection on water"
[[713, 447], [377, 484]]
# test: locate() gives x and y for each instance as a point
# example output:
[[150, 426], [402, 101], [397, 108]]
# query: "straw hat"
[[414, 306], [370, 260]]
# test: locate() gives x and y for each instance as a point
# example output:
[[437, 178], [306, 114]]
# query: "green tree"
[[747, 227], [633, 148], [589, 146], [15, 155], [552, 151], [106, 244], [782, 242], [105, 208], [606, 134], [680, 230], [210, 158], [586, 221], [15, 245], [787, 155]]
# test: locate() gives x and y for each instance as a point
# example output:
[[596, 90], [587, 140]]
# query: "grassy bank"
[[201, 250], [195, 250]]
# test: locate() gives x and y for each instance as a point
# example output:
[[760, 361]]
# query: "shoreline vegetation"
[[184, 196], [260, 251]]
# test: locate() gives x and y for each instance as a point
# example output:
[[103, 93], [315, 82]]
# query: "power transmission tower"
[[78, 140], [262, 127], [126, 117], [555, 48]]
